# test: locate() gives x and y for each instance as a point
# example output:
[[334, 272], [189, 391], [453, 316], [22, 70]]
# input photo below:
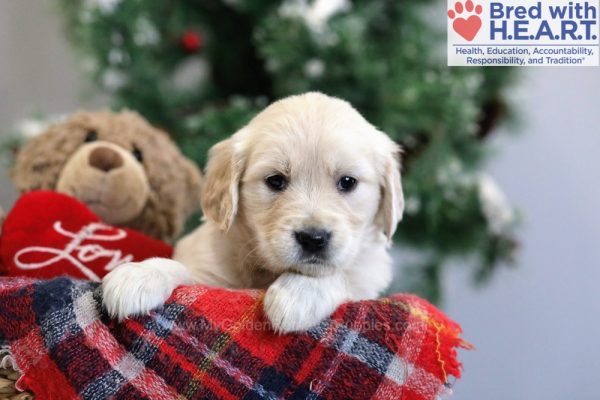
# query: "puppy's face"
[[311, 181]]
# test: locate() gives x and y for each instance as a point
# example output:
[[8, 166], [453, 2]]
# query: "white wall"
[[38, 71], [536, 328]]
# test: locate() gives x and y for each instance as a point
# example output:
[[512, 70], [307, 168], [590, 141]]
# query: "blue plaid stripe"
[[158, 324], [104, 386], [350, 342], [54, 314]]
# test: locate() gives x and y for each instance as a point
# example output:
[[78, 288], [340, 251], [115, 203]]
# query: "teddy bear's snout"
[[108, 179], [105, 159]]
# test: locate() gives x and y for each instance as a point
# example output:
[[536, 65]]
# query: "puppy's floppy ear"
[[391, 207], [219, 198]]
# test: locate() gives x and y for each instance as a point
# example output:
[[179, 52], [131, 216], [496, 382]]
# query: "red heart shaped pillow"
[[48, 234]]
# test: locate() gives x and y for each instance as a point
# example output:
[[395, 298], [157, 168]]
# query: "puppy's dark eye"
[[346, 184], [137, 153], [277, 183], [91, 136]]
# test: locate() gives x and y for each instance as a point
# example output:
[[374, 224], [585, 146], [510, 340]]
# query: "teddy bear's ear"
[[13, 149], [135, 118], [40, 160]]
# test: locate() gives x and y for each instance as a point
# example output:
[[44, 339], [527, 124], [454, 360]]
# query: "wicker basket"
[[8, 379]]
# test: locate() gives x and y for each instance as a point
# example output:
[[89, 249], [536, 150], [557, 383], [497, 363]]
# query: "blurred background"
[[534, 324]]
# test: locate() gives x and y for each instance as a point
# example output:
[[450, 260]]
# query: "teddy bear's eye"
[[137, 153], [91, 136]]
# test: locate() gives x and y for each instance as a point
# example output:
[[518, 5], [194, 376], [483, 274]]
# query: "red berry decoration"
[[191, 41]]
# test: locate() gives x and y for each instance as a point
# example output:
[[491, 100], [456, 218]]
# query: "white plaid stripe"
[[126, 367], [129, 366], [85, 308], [424, 383], [348, 338], [399, 370], [403, 372], [412, 339]]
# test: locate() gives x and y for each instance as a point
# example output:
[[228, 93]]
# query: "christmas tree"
[[200, 69]]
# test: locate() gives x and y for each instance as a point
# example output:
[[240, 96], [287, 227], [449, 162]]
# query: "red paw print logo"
[[468, 26]]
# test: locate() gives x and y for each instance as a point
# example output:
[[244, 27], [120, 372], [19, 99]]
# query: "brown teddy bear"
[[126, 171]]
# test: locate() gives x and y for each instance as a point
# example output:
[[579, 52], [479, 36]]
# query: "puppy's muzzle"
[[313, 242]]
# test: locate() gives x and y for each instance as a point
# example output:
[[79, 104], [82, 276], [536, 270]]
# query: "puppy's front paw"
[[295, 303], [288, 313], [136, 288]]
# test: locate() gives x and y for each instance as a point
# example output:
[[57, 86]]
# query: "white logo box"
[[523, 33]]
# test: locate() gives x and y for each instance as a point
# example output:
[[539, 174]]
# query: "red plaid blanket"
[[210, 343]]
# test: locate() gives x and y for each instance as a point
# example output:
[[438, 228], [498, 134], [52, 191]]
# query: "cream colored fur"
[[247, 239]]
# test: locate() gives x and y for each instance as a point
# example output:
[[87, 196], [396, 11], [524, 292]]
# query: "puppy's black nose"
[[313, 240]]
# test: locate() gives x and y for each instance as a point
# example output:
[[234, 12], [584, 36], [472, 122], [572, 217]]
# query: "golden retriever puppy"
[[302, 201]]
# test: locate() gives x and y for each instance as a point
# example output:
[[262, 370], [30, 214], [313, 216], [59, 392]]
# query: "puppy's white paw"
[[295, 303], [137, 288]]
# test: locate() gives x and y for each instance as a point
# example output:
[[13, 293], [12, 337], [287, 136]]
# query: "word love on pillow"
[[48, 234]]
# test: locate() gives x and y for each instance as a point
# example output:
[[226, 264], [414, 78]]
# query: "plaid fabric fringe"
[[212, 343]]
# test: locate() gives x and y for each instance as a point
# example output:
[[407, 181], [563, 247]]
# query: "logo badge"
[[523, 33]]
